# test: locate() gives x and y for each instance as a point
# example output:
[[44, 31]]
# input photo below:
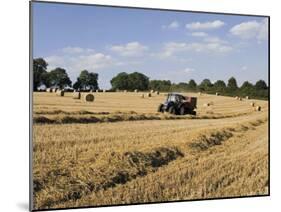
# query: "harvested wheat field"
[[119, 150]]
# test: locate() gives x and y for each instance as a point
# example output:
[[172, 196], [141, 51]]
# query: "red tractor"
[[178, 104]]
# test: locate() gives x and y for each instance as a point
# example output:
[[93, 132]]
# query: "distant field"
[[119, 150], [49, 104]]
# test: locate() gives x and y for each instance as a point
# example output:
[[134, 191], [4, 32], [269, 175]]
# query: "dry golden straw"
[[89, 97]]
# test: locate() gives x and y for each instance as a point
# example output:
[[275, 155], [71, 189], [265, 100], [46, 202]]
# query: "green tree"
[[179, 87], [247, 89], [87, 80], [46, 79], [261, 85], [160, 85], [58, 77], [205, 85], [39, 69], [138, 81], [232, 84], [220, 86], [246, 85], [124, 81], [77, 84], [120, 81], [192, 84], [261, 89]]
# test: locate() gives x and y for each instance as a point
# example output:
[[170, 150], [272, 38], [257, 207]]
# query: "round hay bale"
[[148, 94], [89, 97], [206, 104], [60, 93], [97, 91], [125, 91], [142, 96], [217, 93], [240, 99], [91, 91], [49, 90], [152, 91], [258, 108], [252, 104], [55, 89], [104, 90], [157, 92], [76, 95], [247, 97], [136, 90], [199, 93]]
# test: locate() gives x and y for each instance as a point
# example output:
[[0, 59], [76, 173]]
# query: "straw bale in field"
[[258, 108], [76, 95], [89, 97], [60, 92]]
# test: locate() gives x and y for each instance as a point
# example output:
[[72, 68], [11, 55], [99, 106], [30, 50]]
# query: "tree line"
[[124, 81], [59, 78]]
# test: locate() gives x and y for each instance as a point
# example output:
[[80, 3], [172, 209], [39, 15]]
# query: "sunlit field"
[[120, 150]]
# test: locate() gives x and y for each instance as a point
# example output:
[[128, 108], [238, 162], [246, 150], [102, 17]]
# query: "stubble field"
[[119, 150]]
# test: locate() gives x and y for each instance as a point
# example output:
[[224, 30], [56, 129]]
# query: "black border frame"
[[31, 104]]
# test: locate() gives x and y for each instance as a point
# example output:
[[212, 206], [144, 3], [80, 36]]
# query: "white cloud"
[[251, 29], [74, 63], [188, 70], [130, 49], [215, 40], [213, 45], [172, 25], [205, 25], [173, 47], [244, 68], [199, 34], [76, 50], [54, 61], [92, 61]]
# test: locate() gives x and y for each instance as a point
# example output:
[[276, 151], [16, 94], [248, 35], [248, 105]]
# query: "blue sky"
[[176, 46]]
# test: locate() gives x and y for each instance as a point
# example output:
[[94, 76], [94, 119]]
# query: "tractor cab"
[[178, 104], [172, 97]]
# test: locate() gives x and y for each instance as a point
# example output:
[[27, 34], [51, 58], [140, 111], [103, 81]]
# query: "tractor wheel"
[[160, 108], [172, 110], [182, 110], [193, 113]]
